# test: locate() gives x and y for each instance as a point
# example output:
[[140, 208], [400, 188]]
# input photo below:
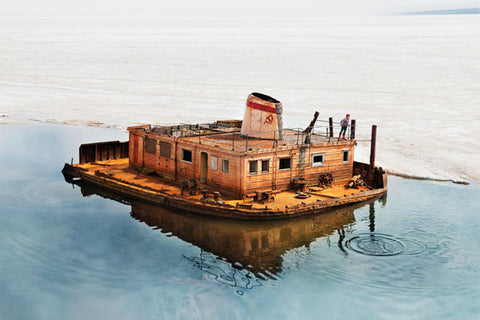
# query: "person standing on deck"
[[344, 123]]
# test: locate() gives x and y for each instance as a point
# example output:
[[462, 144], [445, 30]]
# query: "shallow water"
[[71, 252]]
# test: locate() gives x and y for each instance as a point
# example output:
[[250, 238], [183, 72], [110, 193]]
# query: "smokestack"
[[263, 117]]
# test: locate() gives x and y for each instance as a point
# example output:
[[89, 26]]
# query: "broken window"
[[150, 146], [225, 165], [285, 163], [187, 155], [253, 167], [317, 159], [265, 165], [165, 149]]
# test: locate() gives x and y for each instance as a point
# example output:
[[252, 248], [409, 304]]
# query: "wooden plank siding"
[[176, 168], [226, 181], [280, 179]]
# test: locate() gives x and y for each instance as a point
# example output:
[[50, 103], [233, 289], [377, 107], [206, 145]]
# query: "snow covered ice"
[[416, 77]]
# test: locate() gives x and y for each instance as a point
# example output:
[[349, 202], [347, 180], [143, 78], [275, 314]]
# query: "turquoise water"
[[71, 252]]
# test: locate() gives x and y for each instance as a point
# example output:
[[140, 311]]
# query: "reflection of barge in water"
[[250, 169], [257, 247]]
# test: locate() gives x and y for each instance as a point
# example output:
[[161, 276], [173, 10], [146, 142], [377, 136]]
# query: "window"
[[225, 165], [187, 155], [213, 163], [253, 167], [285, 163], [317, 160], [165, 149], [346, 155], [265, 165], [150, 146]]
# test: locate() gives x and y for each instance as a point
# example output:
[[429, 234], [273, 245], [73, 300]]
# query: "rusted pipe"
[[372, 147], [330, 125], [352, 130]]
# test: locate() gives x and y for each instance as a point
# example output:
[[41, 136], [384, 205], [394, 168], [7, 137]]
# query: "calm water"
[[71, 252]]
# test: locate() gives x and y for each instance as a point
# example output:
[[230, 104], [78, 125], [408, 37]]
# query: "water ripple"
[[226, 273], [375, 245], [51, 194], [48, 261], [379, 244]]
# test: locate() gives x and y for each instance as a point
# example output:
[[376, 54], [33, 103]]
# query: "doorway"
[[203, 167]]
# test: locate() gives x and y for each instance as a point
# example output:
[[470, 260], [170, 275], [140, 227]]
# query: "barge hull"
[[213, 209]]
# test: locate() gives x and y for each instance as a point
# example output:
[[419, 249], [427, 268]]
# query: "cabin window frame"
[[268, 165], [183, 155], [280, 162], [318, 164], [347, 152], [214, 163], [255, 163], [149, 144], [226, 168], [163, 147]]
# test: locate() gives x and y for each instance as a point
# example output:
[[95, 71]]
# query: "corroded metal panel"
[[100, 151]]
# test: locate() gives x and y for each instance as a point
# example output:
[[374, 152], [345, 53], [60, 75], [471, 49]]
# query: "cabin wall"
[[146, 151], [225, 178], [136, 144], [279, 179], [135, 149], [161, 157], [184, 160]]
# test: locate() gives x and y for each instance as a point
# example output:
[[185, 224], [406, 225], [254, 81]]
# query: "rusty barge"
[[245, 169]]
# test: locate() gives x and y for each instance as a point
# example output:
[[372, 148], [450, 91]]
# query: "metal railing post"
[[352, 131], [330, 124]]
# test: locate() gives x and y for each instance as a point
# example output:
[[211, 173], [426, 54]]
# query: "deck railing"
[[247, 142]]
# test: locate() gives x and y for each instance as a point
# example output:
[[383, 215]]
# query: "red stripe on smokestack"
[[262, 107]]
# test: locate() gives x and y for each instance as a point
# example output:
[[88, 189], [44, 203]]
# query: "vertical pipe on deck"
[[373, 143], [352, 131], [330, 125], [279, 109]]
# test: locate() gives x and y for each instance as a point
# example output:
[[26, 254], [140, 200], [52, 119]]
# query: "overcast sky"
[[220, 8]]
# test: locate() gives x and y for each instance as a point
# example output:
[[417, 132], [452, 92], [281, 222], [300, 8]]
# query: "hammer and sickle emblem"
[[269, 119]]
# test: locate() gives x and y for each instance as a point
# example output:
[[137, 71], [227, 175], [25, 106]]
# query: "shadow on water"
[[251, 246]]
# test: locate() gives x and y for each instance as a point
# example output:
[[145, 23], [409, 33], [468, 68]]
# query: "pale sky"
[[223, 8]]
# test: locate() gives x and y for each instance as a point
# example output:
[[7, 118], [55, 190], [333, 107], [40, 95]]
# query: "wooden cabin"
[[242, 157]]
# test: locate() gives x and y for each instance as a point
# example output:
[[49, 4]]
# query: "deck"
[[118, 173]]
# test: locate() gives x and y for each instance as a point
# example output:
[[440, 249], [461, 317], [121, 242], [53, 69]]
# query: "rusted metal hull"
[[186, 203], [99, 151]]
